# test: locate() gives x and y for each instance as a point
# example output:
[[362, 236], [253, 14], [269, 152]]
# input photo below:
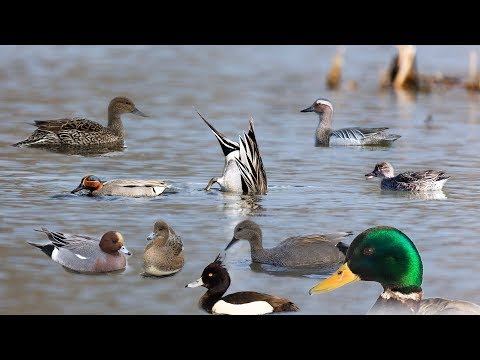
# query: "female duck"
[[386, 255], [163, 254], [120, 187], [315, 250], [243, 171], [86, 254], [325, 136], [409, 180], [83, 132], [217, 280]]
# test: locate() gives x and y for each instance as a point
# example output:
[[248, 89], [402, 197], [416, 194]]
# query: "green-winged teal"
[[243, 171], [163, 254], [386, 255], [80, 132], [409, 180], [86, 254], [304, 251], [217, 280], [121, 187], [325, 136]]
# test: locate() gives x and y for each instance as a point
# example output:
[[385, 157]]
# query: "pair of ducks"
[[162, 256], [382, 254]]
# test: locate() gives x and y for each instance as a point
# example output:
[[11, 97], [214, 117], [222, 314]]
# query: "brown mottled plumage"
[[80, 132]]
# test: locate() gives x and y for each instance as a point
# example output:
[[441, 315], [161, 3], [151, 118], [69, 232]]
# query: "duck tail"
[[286, 306], [47, 248], [342, 247], [392, 137]]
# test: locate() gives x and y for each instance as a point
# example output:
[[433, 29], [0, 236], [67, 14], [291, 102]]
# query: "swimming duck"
[[386, 255], [315, 250], [121, 187], [163, 254], [216, 279], [409, 180], [86, 254], [81, 131], [243, 171], [325, 136]]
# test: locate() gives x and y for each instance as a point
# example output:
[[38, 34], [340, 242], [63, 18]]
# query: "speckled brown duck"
[[81, 132]]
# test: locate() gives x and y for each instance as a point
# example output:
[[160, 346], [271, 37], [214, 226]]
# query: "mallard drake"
[[121, 187], [325, 136], [314, 250], [163, 254], [409, 180], [243, 171], [81, 132], [386, 255], [86, 254], [216, 279]]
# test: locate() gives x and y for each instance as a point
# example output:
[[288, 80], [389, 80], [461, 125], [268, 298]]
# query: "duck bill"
[[124, 250], [309, 109], [138, 112], [370, 175], [342, 276], [195, 283], [78, 188], [234, 240]]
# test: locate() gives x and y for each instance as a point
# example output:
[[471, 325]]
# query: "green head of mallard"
[[383, 254]]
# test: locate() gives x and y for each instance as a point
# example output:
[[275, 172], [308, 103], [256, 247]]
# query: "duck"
[[121, 187], [243, 171], [216, 279], [408, 181], [307, 251], [386, 255], [325, 136], [163, 254], [85, 254], [81, 132]]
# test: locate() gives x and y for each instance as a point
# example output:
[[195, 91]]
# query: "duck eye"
[[368, 251], [210, 274]]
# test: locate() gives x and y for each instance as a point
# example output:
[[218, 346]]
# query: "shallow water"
[[310, 189]]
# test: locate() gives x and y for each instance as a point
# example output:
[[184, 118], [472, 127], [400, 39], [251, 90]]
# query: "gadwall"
[[325, 136], [409, 180], [121, 187], [163, 254], [80, 132], [217, 280], [315, 250], [387, 256], [86, 254], [243, 171]]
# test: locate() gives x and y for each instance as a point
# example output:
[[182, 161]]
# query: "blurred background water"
[[311, 189]]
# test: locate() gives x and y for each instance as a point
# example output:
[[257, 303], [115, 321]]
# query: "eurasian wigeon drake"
[[84, 253]]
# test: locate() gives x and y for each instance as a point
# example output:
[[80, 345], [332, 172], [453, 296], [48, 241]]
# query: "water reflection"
[[417, 195], [84, 151], [310, 272]]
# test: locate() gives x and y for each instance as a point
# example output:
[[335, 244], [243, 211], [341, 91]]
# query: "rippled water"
[[310, 189]]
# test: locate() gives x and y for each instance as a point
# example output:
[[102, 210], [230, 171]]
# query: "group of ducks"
[[382, 254]]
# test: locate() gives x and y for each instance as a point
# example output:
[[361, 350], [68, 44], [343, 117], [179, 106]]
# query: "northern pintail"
[[325, 136], [314, 250], [163, 254], [81, 132], [243, 171], [216, 279], [409, 180], [84, 253], [387, 256], [121, 187]]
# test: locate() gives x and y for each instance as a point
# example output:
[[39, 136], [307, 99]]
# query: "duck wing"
[[438, 306], [59, 125]]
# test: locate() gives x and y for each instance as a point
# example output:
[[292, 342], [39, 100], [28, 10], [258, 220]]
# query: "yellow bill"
[[339, 278]]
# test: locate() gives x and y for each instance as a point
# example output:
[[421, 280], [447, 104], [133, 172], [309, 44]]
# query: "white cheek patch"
[[252, 308]]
